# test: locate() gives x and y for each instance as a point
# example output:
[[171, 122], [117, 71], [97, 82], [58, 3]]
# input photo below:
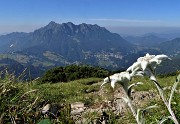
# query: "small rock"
[[46, 108], [77, 111], [77, 105]]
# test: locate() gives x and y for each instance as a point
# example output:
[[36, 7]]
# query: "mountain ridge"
[[171, 47], [83, 43], [64, 44], [147, 40]]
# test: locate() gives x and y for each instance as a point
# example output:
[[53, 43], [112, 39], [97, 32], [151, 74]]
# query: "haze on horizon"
[[119, 16]]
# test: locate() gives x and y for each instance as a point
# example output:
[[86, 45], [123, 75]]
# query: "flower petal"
[[113, 83], [134, 72], [144, 64], [125, 76], [134, 66], [140, 59], [129, 69], [106, 80], [153, 61], [161, 57], [148, 55]]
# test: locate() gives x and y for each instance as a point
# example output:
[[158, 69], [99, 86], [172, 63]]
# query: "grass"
[[25, 99], [73, 91], [164, 82], [161, 112]]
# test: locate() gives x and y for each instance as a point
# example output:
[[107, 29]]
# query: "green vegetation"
[[73, 72], [72, 91], [23, 102]]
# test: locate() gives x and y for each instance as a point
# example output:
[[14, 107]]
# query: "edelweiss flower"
[[148, 61], [123, 78], [146, 64]]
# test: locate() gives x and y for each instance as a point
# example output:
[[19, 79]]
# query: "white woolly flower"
[[146, 64], [123, 78], [148, 61]]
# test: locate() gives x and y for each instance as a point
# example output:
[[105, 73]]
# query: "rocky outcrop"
[[99, 112]]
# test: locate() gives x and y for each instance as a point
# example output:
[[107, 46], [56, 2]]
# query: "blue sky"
[[27, 15]]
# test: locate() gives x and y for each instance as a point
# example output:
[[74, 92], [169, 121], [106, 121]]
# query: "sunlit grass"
[[84, 90], [148, 85], [72, 91]]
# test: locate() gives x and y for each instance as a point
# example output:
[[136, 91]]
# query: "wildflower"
[[123, 78], [148, 60], [144, 65], [147, 65]]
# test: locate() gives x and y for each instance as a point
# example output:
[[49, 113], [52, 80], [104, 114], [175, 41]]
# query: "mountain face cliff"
[[74, 41], [63, 44], [67, 43]]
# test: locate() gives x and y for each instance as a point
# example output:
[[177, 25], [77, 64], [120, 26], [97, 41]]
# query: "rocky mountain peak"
[[52, 24], [72, 29], [68, 27], [70, 24], [89, 26]]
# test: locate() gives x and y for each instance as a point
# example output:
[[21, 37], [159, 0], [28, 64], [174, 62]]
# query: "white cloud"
[[124, 20], [130, 22]]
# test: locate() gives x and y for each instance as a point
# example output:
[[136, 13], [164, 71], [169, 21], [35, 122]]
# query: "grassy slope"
[[73, 91], [82, 90], [78, 90]]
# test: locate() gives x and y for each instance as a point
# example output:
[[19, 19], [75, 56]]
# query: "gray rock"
[[77, 111], [46, 108], [77, 105]]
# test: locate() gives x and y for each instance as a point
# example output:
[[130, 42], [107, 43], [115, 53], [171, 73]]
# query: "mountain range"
[[148, 40], [63, 44]]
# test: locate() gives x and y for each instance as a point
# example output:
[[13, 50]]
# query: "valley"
[[64, 44]]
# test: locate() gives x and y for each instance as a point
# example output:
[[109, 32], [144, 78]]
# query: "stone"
[[77, 105], [46, 108], [77, 111]]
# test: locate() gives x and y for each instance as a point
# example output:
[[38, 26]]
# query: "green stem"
[[161, 93], [132, 108]]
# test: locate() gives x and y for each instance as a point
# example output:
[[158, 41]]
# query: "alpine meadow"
[[89, 62]]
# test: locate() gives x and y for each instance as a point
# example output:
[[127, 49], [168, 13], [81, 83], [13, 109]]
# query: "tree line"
[[73, 72]]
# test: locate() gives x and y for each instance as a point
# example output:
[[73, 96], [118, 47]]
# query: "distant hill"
[[27, 72], [169, 66], [172, 34], [168, 47], [171, 48], [148, 40], [13, 38]]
